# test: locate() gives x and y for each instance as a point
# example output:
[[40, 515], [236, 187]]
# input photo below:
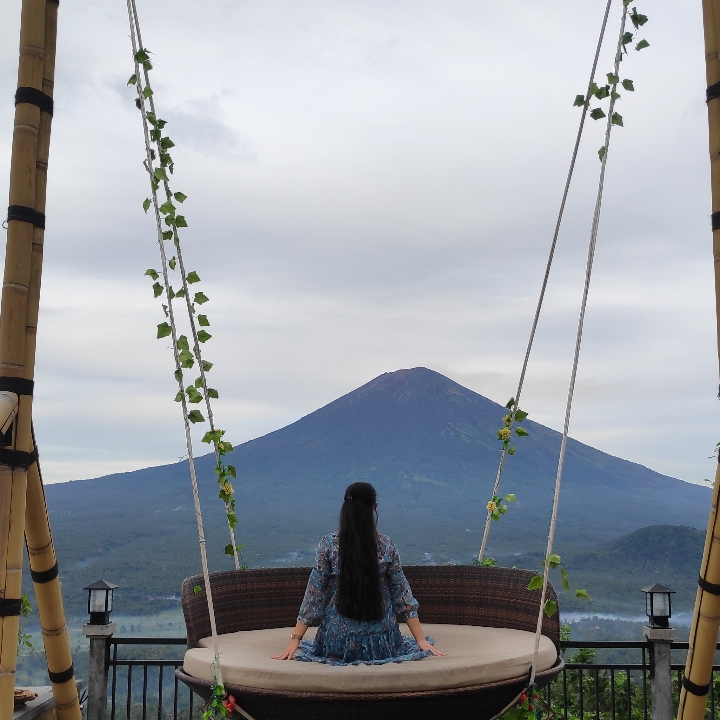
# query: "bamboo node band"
[[33, 96], [712, 588], [17, 458], [698, 690], [26, 214], [712, 92], [62, 677], [10, 607], [46, 576], [18, 385]]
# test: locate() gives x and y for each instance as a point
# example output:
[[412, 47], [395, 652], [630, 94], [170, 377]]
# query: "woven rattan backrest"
[[452, 594]]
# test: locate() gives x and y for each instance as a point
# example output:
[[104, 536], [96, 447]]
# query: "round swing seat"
[[483, 617]]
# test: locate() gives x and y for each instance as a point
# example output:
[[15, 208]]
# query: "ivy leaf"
[[171, 294], [160, 174], [603, 92], [180, 221], [212, 393], [154, 136], [536, 582], [628, 85], [582, 594], [179, 396], [564, 578], [597, 114], [152, 273], [601, 152], [180, 197], [146, 204], [579, 101], [182, 343], [627, 38], [592, 89], [511, 450], [550, 608], [147, 91], [520, 415], [197, 590], [167, 235], [510, 497], [157, 289], [166, 143], [147, 65], [521, 432], [178, 375], [637, 19], [617, 119], [142, 55], [180, 293], [203, 321], [206, 365], [165, 309], [510, 403], [642, 45], [613, 79], [232, 471], [554, 560], [615, 95], [195, 416], [193, 277], [186, 359], [200, 298], [229, 550], [203, 336], [166, 208], [163, 330], [132, 80]]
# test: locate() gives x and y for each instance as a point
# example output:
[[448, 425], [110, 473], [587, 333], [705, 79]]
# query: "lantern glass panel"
[[97, 601], [648, 604], [661, 604]]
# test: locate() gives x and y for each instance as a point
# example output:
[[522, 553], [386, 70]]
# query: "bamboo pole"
[[41, 550], [13, 314], [706, 616]]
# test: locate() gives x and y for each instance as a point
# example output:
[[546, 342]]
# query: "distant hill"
[[614, 573], [427, 444]]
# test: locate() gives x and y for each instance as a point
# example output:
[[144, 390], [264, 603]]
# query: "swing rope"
[[136, 43], [551, 256], [578, 342], [135, 25]]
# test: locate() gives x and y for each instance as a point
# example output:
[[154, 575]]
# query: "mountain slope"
[[427, 444]]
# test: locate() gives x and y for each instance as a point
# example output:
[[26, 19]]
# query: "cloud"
[[374, 186]]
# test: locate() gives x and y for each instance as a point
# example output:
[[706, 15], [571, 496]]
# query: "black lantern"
[[100, 601], [657, 605]]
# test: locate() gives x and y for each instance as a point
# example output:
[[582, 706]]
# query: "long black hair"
[[359, 596]]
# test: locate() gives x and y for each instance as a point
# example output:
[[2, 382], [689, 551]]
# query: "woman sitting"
[[359, 591]]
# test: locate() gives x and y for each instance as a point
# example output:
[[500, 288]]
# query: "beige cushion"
[[476, 655]]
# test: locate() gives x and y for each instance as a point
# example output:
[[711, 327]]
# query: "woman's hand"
[[289, 651], [425, 645]]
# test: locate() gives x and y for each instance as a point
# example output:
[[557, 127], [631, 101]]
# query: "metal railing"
[[145, 688], [602, 680]]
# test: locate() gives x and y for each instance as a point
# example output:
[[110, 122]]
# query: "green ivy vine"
[[187, 350], [610, 89]]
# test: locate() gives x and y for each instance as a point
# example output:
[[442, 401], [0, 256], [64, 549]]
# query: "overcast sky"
[[372, 186]]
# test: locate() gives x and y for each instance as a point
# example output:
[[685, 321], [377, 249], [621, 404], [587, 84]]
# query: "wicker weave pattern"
[[451, 594]]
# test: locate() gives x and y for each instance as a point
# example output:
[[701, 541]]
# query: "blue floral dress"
[[343, 641]]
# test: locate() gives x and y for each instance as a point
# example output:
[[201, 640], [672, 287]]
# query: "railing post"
[[98, 663], [659, 640]]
